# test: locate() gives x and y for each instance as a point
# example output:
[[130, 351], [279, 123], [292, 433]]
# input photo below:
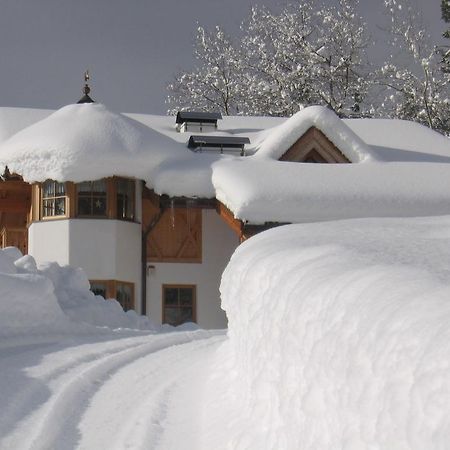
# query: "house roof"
[[399, 167], [197, 116]]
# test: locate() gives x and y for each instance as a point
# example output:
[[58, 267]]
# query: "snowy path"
[[130, 393]]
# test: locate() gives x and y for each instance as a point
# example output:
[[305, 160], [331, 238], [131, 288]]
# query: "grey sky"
[[132, 47]]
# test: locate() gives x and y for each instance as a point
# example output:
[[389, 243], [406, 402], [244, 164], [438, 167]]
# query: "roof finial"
[[86, 89]]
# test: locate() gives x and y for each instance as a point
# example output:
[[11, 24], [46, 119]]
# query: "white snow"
[[88, 142], [282, 137], [302, 192], [338, 338], [398, 168], [51, 299]]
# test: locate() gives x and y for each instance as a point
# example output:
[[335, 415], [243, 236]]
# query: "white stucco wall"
[[105, 249], [218, 244]]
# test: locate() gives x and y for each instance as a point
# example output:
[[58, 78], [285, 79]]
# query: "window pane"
[[48, 208], [99, 187], [98, 288], [171, 296], [125, 199], [60, 206], [92, 198], [48, 189], [172, 316], [84, 188], [84, 206], [99, 206], [124, 296], [60, 189], [186, 296], [186, 315]]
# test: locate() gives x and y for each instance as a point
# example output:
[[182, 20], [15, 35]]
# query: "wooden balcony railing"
[[14, 237]]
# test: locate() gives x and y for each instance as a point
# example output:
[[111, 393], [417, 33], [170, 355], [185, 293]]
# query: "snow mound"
[[283, 136], [84, 142], [339, 336], [54, 299]]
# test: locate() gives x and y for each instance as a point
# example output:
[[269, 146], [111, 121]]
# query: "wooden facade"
[[314, 147], [15, 204], [176, 235]]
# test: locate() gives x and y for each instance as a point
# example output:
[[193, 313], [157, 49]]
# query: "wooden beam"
[[235, 224], [6, 186], [313, 141]]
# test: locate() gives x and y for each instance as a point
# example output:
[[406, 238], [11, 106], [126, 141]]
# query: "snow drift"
[[54, 299], [339, 337]]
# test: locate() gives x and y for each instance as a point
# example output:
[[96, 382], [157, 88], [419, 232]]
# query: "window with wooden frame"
[[92, 198], [122, 291], [125, 195], [54, 199], [109, 198], [179, 303]]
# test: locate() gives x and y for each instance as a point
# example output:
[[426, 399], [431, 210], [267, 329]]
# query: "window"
[[122, 291], [125, 199], [109, 198], [99, 288], [178, 304], [53, 199], [92, 198]]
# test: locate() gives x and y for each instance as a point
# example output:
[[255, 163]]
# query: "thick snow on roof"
[[87, 142], [399, 168], [268, 191], [84, 142]]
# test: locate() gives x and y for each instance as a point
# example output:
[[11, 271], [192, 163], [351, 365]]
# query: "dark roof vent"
[[199, 117], [86, 90], [222, 143]]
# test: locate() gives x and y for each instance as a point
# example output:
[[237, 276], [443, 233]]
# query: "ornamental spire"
[[86, 89]]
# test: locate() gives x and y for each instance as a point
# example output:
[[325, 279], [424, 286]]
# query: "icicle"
[[172, 214]]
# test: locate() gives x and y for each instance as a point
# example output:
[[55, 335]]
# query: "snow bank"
[[54, 299], [339, 337]]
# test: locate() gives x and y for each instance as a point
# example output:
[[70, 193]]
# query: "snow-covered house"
[[152, 207]]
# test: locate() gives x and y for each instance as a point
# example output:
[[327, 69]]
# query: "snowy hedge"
[[339, 336]]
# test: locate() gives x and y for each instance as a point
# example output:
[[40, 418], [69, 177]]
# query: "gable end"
[[314, 147]]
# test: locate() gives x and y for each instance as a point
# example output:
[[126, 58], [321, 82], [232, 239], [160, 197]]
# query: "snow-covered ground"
[[338, 339]]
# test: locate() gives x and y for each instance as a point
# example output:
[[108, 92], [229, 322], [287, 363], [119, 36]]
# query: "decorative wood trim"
[[11, 205], [314, 146], [111, 198], [177, 235], [35, 202], [70, 200], [235, 224]]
